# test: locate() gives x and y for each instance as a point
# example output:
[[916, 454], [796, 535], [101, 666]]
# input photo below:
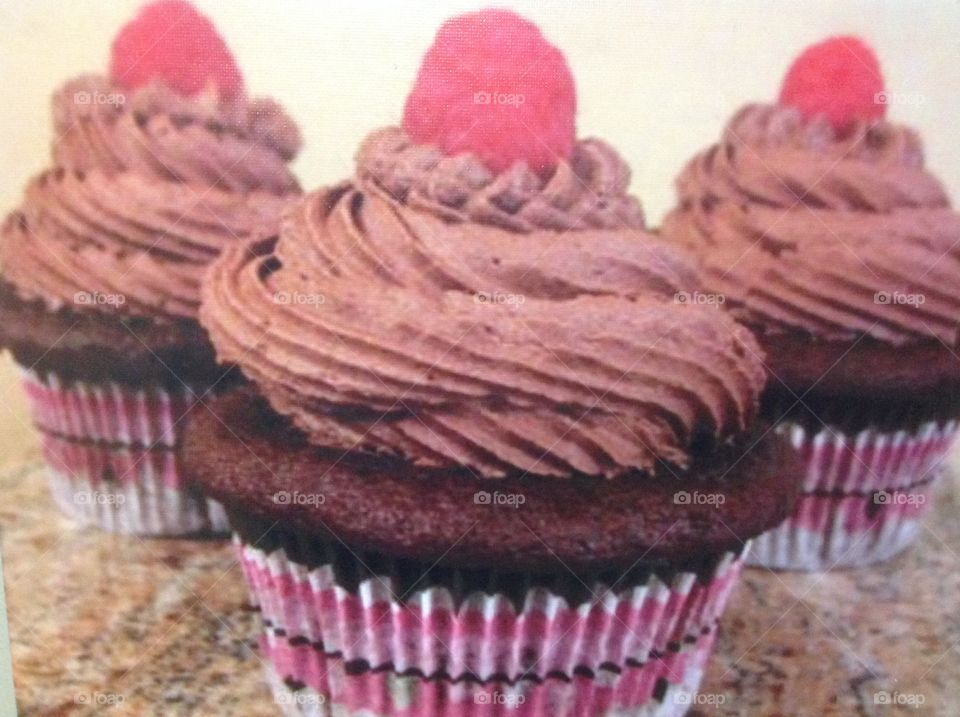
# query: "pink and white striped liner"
[[870, 460], [663, 687], [113, 455], [144, 506], [109, 467], [838, 531], [431, 630], [110, 413], [864, 497], [434, 632]]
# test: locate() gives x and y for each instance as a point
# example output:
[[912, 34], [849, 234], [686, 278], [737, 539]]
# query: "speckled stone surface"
[[107, 625]]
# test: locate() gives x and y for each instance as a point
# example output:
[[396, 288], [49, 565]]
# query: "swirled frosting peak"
[[423, 311], [807, 229], [146, 188], [589, 191]]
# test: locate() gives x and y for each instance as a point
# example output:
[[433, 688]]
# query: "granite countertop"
[[109, 625]]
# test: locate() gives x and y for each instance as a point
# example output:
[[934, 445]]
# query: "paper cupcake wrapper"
[[433, 630], [114, 459], [145, 505], [869, 460], [609, 648], [842, 531], [663, 687], [109, 413], [864, 497]]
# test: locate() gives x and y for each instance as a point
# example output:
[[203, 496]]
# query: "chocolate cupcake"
[[818, 222], [488, 461], [156, 168]]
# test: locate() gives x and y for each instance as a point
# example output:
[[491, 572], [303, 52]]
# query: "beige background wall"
[[655, 79]]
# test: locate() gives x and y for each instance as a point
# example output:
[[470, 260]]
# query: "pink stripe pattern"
[[107, 413], [663, 687], [864, 500], [113, 455], [105, 467], [625, 638]]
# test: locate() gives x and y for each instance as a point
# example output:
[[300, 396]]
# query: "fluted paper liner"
[[864, 498], [114, 456], [663, 687], [630, 639]]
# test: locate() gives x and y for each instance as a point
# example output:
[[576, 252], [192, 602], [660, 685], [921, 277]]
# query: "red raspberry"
[[839, 77], [493, 86], [170, 40]]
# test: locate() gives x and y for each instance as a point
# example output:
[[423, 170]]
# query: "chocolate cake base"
[[96, 346], [268, 475], [876, 376]]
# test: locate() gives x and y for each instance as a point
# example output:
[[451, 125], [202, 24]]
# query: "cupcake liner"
[[326, 687], [869, 460], [109, 413], [436, 631], [114, 459], [107, 467], [144, 505], [864, 497], [618, 651], [829, 531]]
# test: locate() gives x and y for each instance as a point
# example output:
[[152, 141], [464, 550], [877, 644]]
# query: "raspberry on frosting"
[[170, 40], [840, 78], [492, 85]]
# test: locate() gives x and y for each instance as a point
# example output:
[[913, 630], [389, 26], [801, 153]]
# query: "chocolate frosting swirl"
[[145, 191], [835, 236], [411, 313], [588, 192]]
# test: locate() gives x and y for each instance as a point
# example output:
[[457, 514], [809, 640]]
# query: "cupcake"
[[818, 222], [489, 458], [156, 167]]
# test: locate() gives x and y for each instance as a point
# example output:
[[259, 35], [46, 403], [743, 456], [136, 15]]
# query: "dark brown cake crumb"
[[262, 468]]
